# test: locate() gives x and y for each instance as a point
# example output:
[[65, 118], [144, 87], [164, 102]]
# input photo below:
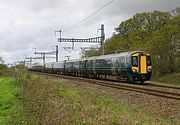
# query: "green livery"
[[131, 66]]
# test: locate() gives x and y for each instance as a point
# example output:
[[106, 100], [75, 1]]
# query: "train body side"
[[133, 66]]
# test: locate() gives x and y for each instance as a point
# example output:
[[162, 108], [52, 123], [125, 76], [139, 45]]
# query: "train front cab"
[[141, 67]]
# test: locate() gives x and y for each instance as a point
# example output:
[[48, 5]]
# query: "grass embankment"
[[9, 103], [50, 101], [171, 79]]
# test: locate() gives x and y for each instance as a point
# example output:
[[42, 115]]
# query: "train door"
[[94, 66], [113, 70], [143, 65], [135, 62]]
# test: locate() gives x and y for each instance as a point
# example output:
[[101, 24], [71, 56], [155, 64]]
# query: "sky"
[[28, 24]]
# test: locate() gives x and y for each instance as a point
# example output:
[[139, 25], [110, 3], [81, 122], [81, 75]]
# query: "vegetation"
[[89, 53], [31, 99], [1, 60], [157, 33], [50, 101], [20, 67], [9, 94], [173, 78], [9, 103], [3, 69]]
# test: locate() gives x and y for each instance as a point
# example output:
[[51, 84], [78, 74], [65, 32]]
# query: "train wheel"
[[130, 80], [142, 81]]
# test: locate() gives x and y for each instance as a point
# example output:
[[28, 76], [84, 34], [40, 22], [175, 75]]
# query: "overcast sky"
[[27, 24]]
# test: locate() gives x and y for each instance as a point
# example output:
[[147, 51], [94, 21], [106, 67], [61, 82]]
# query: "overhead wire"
[[88, 16]]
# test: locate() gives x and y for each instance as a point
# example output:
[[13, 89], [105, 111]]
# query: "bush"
[[3, 69], [3, 66]]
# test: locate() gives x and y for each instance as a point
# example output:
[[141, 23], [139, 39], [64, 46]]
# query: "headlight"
[[149, 70], [134, 70]]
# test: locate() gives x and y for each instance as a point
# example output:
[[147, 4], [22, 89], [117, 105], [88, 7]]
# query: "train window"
[[122, 62], [68, 65], [116, 62], [83, 65], [97, 63], [103, 63], [72, 64], [108, 63], [100, 63], [88, 64], [76, 65], [125, 62], [134, 61], [91, 63], [148, 61]]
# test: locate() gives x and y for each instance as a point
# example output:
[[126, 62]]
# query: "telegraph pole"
[[56, 53], [102, 39], [57, 31]]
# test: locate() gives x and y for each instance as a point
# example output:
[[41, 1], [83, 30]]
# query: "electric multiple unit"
[[132, 66]]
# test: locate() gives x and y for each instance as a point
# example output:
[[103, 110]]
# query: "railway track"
[[163, 86], [123, 86]]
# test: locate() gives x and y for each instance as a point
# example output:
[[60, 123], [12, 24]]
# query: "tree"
[[157, 33], [3, 66], [1, 60], [166, 47], [89, 53], [148, 21]]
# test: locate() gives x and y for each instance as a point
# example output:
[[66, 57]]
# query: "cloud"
[[26, 24]]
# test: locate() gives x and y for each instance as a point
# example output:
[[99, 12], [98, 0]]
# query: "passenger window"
[[122, 63], [148, 61], [125, 62], [108, 63], [88, 63], [103, 63], [91, 63], [134, 61], [117, 62], [97, 63]]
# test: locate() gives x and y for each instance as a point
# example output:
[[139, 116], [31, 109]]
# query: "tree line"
[[157, 33]]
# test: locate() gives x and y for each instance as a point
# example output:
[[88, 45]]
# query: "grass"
[[93, 108], [8, 98], [32, 100], [173, 79], [50, 101]]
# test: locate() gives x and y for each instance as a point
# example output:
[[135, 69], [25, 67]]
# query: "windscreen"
[[134, 61], [148, 61]]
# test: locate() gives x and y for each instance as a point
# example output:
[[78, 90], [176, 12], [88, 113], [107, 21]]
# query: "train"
[[134, 66]]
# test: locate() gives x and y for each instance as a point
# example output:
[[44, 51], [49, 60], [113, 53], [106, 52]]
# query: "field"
[[32, 100], [9, 103]]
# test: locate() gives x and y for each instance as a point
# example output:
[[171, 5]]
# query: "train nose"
[[143, 77]]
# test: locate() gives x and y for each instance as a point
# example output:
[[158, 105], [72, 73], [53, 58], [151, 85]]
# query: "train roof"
[[76, 60], [101, 57], [37, 64], [113, 55]]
